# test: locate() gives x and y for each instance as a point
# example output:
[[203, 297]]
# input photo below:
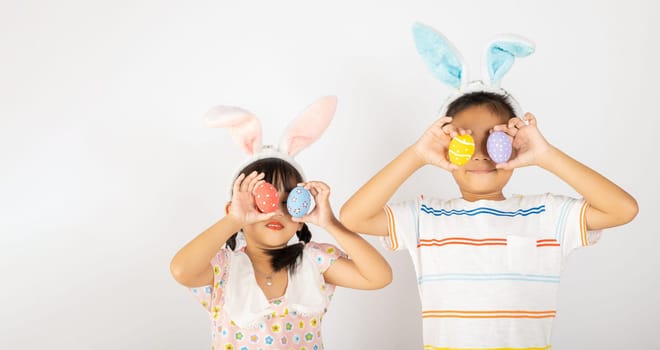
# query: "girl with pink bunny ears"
[[267, 294]]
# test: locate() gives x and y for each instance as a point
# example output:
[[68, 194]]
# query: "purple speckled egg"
[[499, 147]]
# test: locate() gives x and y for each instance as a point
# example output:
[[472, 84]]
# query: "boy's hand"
[[322, 214], [242, 207], [529, 146], [433, 145]]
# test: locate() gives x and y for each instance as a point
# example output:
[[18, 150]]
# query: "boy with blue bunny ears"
[[488, 266]]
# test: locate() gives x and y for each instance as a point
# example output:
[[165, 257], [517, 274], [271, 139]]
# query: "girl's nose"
[[281, 209]]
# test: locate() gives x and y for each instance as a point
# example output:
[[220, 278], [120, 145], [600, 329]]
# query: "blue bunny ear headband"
[[447, 64]]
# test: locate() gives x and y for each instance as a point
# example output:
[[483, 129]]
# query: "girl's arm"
[[191, 265], [363, 212], [366, 268], [609, 204]]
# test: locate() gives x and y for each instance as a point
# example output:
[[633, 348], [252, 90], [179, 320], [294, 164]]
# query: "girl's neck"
[[260, 259]]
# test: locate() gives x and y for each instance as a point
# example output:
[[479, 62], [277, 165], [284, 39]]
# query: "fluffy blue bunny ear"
[[444, 61], [502, 51]]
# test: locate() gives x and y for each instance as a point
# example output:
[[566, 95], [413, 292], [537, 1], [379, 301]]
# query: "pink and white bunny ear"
[[243, 126], [309, 126]]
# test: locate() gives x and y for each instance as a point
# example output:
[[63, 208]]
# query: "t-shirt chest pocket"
[[529, 255], [522, 254]]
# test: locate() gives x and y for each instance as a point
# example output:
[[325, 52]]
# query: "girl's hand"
[[529, 146], [242, 207], [322, 214], [433, 145]]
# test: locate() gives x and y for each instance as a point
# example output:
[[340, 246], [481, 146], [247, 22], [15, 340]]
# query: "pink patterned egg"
[[266, 198], [499, 147]]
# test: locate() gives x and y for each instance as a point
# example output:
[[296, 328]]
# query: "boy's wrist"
[[416, 159], [549, 158]]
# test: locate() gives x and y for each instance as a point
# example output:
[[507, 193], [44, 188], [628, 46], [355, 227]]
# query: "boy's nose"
[[480, 150]]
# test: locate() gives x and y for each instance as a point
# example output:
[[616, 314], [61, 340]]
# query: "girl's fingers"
[[246, 182], [321, 186], [304, 218], [255, 181], [237, 183], [256, 184], [265, 216]]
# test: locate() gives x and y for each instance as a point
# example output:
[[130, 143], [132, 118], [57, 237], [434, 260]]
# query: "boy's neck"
[[473, 197]]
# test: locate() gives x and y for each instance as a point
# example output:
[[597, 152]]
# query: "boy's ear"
[[227, 206]]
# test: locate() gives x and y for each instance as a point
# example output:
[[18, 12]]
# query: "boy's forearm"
[[369, 200], [614, 205]]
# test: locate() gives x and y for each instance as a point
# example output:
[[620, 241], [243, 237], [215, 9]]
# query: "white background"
[[106, 167]]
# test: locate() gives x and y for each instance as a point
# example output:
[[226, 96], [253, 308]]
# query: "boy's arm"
[[363, 212], [609, 204]]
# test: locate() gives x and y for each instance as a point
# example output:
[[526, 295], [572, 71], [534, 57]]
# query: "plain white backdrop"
[[106, 167]]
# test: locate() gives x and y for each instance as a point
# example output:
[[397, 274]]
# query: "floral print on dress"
[[283, 328]]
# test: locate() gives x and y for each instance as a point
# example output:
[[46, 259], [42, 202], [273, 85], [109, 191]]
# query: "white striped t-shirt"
[[488, 271]]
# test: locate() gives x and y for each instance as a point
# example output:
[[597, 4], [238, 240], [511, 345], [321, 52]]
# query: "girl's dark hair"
[[284, 177], [496, 103]]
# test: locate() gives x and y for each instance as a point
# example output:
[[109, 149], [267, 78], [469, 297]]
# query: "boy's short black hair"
[[496, 103]]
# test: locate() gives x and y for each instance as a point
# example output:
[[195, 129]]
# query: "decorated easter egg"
[[461, 149], [499, 147], [266, 198], [299, 202]]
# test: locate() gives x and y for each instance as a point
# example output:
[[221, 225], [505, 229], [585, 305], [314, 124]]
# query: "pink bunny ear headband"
[[245, 129]]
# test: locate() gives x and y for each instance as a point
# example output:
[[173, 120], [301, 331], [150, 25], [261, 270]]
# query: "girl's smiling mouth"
[[275, 225]]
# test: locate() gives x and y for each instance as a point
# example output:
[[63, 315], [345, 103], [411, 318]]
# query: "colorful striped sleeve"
[[392, 241], [402, 225], [571, 225]]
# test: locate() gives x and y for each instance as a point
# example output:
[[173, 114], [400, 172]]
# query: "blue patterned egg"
[[299, 202], [499, 147]]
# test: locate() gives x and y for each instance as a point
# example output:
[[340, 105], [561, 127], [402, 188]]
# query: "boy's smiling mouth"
[[481, 171]]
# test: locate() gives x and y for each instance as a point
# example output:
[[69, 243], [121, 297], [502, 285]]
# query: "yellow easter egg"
[[461, 149]]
